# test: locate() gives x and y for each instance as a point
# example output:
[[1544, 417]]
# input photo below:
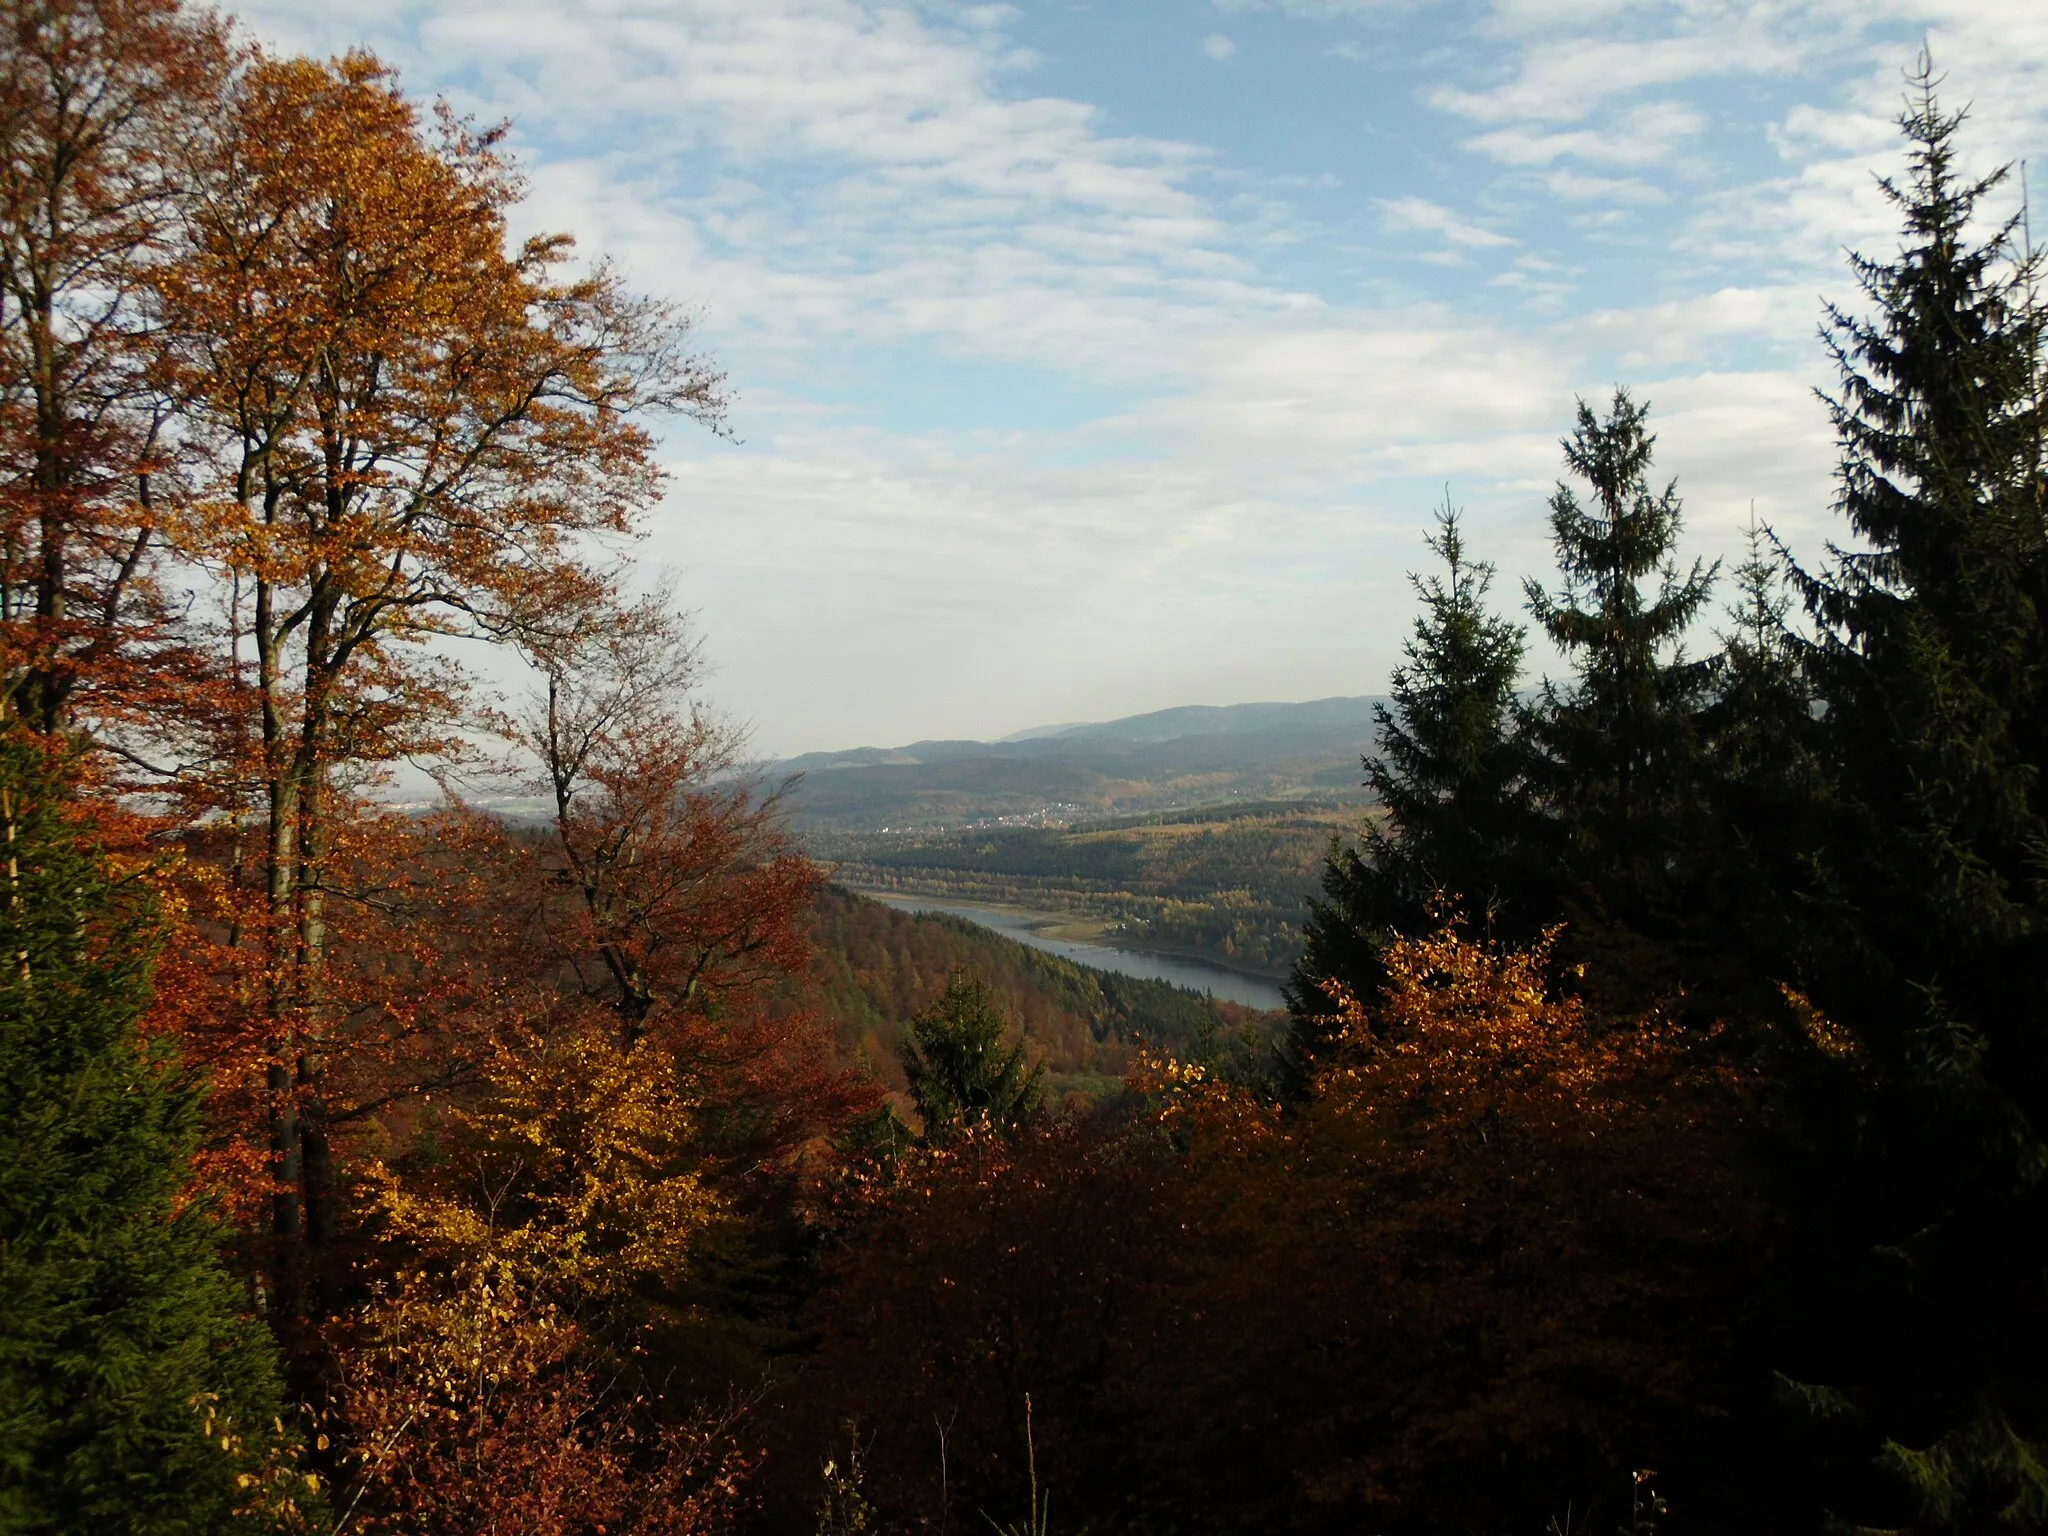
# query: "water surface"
[[1027, 927]]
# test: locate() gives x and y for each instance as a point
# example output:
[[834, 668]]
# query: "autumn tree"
[[493, 1380], [96, 96], [684, 882], [675, 900], [135, 1396], [1482, 1265], [477, 1409], [412, 426], [546, 1235]]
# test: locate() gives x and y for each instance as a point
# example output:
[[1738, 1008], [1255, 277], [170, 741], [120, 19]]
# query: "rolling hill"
[[1170, 759]]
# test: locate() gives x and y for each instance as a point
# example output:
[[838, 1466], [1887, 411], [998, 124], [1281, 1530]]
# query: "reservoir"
[[1027, 928]]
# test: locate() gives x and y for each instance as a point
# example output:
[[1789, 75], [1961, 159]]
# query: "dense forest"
[[1655, 1141], [1230, 883]]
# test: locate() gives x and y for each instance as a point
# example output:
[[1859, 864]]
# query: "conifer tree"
[[1927, 942], [961, 1073], [1762, 783], [1620, 747], [1450, 774], [1758, 721], [134, 1396]]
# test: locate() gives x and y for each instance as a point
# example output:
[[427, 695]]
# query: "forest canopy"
[[1654, 1138]]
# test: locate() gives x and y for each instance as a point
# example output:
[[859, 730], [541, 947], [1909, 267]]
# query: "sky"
[[1096, 358]]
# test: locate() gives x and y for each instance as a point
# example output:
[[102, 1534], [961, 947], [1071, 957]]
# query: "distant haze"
[[1172, 759]]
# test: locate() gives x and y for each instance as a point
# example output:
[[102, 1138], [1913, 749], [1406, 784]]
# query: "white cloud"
[[1566, 81], [1217, 46], [1316, 10], [802, 164], [1420, 215], [1645, 136], [1655, 338], [1381, 393], [1572, 187]]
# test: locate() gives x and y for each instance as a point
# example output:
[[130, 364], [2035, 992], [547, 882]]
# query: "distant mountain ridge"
[[1195, 754]]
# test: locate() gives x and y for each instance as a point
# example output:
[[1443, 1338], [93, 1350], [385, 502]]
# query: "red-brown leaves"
[[95, 100], [483, 1411], [1493, 1262]]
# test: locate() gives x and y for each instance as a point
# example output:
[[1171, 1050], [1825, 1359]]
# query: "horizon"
[[1047, 732], [1093, 361]]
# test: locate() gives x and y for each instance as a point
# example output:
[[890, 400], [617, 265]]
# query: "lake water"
[[1026, 927]]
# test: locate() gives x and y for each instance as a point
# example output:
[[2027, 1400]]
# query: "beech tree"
[[668, 898], [95, 98], [685, 884], [412, 427]]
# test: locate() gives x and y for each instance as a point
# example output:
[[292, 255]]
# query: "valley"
[[1225, 886], [875, 965], [1084, 943], [1190, 837]]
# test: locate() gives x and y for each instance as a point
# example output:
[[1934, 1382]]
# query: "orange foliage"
[[1521, 1216], [477, 1410], [97, 99], [262, 326], [403, 428], [1495, 1261]]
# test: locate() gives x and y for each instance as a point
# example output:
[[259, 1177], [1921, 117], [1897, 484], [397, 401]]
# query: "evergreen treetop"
[[1449, 767], [962, 1073], [1620, 746], [1925, 938], [1449, 772]]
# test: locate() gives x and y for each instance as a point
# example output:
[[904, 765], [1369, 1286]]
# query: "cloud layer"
[[1065, 393]]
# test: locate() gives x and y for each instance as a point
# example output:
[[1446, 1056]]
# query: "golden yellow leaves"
[[579, 1175], [1821, 1032], [269, 1487]]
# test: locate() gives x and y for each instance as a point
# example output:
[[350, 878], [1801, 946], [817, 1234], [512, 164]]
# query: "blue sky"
[[1096, 358]]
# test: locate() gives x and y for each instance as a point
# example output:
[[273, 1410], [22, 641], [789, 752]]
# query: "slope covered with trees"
[[875, 968]]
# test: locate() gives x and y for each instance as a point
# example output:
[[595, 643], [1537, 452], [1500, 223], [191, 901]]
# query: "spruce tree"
[[1449, 775], [1927, 936], [962, 1074], [1757, 726], [1762, 784], [134, 1396], [1619, 749]]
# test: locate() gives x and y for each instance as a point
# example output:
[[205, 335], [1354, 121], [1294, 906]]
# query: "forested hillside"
[[875, 968], [1166, 761]]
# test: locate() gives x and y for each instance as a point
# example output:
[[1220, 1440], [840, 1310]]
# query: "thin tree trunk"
[[281, 788]]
